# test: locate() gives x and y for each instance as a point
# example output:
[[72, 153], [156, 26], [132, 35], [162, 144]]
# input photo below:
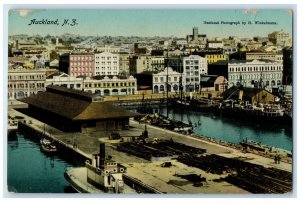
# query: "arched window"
[[273, 83], [162, 88], [169, 87], [278, 83], [155, 90], [106, 92], [175, 87]]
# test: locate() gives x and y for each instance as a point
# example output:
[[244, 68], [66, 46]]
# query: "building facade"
[[65, 80], [160, 84], [105, 86], [264, 56], [111, 86], [193, 67], [215, 45], [149, 63], [106, 64], [256, 73], [279, 38], [81, 64], [109, 49], [212, 58], [124, 63], [25, 82], [213, 83]]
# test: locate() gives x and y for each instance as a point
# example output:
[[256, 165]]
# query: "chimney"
[[17, 44], [102, 155]]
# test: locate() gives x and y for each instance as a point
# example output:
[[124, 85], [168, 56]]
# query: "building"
[[40, 61], [213, 83], [175, 63], [250, 95], [65, 80], [76, 111], [181, 42], [103, 85], [196, 38], [166, 80], [214, 44], [279, 38], [109, 49], [25, 82], [255, 73], [212, 58], [193, 67], [264, 56], [252, 46], [149, 63], [111, 85], [81, 64], [124, 63], [106, 64]]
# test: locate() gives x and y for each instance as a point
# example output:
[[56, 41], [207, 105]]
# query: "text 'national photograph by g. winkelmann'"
[[150, 101]]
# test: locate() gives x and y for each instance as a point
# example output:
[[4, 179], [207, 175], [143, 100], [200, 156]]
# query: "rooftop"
[[75, 105]]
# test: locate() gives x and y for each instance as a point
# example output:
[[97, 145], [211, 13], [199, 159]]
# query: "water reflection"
[[232, 130], [31, 171]]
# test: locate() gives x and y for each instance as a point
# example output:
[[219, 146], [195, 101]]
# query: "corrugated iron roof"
[[69, 103]]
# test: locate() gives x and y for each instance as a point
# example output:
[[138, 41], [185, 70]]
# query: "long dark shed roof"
[[75, 105]]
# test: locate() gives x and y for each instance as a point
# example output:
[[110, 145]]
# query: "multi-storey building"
[[65, 80], [124, 63], [104, 86], [214, 44], [111, 86], [25, 82], [166, 80], [212, 58], [279, 38], [109, 49], [264, 56], [196, 38], [81, 64], [193, 67], [256, 73], [149, 63], [252, 46], [106, 64]]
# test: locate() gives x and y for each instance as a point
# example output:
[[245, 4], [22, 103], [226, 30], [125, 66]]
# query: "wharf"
[[151, 172]]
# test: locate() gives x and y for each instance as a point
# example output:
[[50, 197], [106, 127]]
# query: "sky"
[[151, 22]]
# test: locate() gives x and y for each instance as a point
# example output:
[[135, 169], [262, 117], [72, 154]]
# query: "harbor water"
[[232, 130], [29, 170]]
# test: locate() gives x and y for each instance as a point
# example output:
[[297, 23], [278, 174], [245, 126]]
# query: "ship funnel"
[[102, 155]]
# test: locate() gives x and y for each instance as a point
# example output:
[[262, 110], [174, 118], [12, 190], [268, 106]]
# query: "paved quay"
[[151, 172]]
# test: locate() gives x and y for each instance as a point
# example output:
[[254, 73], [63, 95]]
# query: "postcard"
[[150, 101]]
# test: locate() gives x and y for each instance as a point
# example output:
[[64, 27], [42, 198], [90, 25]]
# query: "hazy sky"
[[161, 22]]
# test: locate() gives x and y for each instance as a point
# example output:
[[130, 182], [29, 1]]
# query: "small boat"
[[47, 146]]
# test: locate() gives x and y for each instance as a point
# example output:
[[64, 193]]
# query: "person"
[[275, 159]]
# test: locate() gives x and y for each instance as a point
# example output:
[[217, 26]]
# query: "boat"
[[266, 113], [47, 146], [101, 174]]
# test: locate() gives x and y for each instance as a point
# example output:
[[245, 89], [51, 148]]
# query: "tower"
[[56, 41], [195, 33]]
